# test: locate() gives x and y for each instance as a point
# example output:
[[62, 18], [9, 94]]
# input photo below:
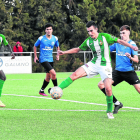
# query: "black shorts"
[[130, 77], [47, 66]]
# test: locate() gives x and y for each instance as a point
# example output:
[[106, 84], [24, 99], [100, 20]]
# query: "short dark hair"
[[91, 23], [48, 25], [125, 27]]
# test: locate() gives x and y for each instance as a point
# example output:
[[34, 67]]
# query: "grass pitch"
[[80, 114]]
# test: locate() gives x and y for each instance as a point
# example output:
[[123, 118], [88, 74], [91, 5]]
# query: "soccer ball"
[[56, 92]]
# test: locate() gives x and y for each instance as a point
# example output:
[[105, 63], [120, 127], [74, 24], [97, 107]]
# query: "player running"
[[47, 43], [100, 63], [124, 70], [2, 74]]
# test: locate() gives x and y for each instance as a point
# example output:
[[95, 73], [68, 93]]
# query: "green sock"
[[1, 86], [65, 83], [109, 100]]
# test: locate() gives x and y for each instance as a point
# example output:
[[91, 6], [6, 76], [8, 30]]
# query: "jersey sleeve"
[[112, 47], [37, 43], [56, 43], [134, 44], [84, 45], [110, 39], [5, 42]]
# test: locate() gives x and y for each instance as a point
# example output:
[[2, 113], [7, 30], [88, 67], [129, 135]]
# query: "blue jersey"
[[123, 63], [46, 47]]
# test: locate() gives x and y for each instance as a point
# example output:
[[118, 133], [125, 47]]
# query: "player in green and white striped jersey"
[[2, 74], [100, 63]]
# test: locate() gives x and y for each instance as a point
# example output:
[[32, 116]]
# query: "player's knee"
[[138, 90], [108, 91], [2, 75], [53, 73], [101, 85]]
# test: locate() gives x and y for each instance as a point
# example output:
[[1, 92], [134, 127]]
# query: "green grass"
[[79, 115]]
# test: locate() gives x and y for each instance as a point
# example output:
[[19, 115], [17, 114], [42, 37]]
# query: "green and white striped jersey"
[[3, 40], [100, 48]]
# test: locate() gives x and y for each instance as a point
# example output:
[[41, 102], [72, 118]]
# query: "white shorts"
[[93, 69]]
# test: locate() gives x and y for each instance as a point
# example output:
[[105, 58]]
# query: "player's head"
[[92, 29], [49, 29], [125, 32]]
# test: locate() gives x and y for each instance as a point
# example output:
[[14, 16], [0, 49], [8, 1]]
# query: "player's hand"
[[36, 60], [135, 48], [57, 57], [13, 56], [128, 55], [60, 52]]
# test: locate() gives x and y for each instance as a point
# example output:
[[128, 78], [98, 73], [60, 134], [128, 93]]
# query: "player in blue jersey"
[[47, 43], [124, 70]]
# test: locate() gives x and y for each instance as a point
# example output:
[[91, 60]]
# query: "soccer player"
[[47, 43], [100, 63], [2, 74], [124, 70]]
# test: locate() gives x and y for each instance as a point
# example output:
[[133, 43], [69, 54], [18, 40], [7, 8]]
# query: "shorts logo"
[[86, 65], [137, 80], [108, 70]]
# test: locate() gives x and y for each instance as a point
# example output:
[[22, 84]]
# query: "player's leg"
[[106, 76], [80, 72], [2, 80], [117, 104], [117, 78], [49, 72], [53, 75], [133, 79], [108, 89], [137, 87], [109, 97], [45, 84], [102, 88]]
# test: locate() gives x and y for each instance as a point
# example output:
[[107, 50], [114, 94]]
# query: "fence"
[[24, 63]]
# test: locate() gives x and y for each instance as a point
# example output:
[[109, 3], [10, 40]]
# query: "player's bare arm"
[[134, 58], [13, 56], [127, 44], [35, 55], [74, 50], [57, 56]]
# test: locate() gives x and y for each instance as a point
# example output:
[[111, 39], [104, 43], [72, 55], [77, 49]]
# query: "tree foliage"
[[24, 20]]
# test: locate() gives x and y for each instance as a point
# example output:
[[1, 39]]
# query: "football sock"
[[65, 83], [103, 90], [1, 86], [109, 100], [114, 98], [45, 83], [54, 82]]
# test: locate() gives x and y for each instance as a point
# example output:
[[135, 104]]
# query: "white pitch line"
[[65, 100], [61, 110], [40, 79], [48, 109]]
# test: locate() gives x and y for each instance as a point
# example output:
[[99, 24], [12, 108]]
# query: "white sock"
[[117, 103]]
